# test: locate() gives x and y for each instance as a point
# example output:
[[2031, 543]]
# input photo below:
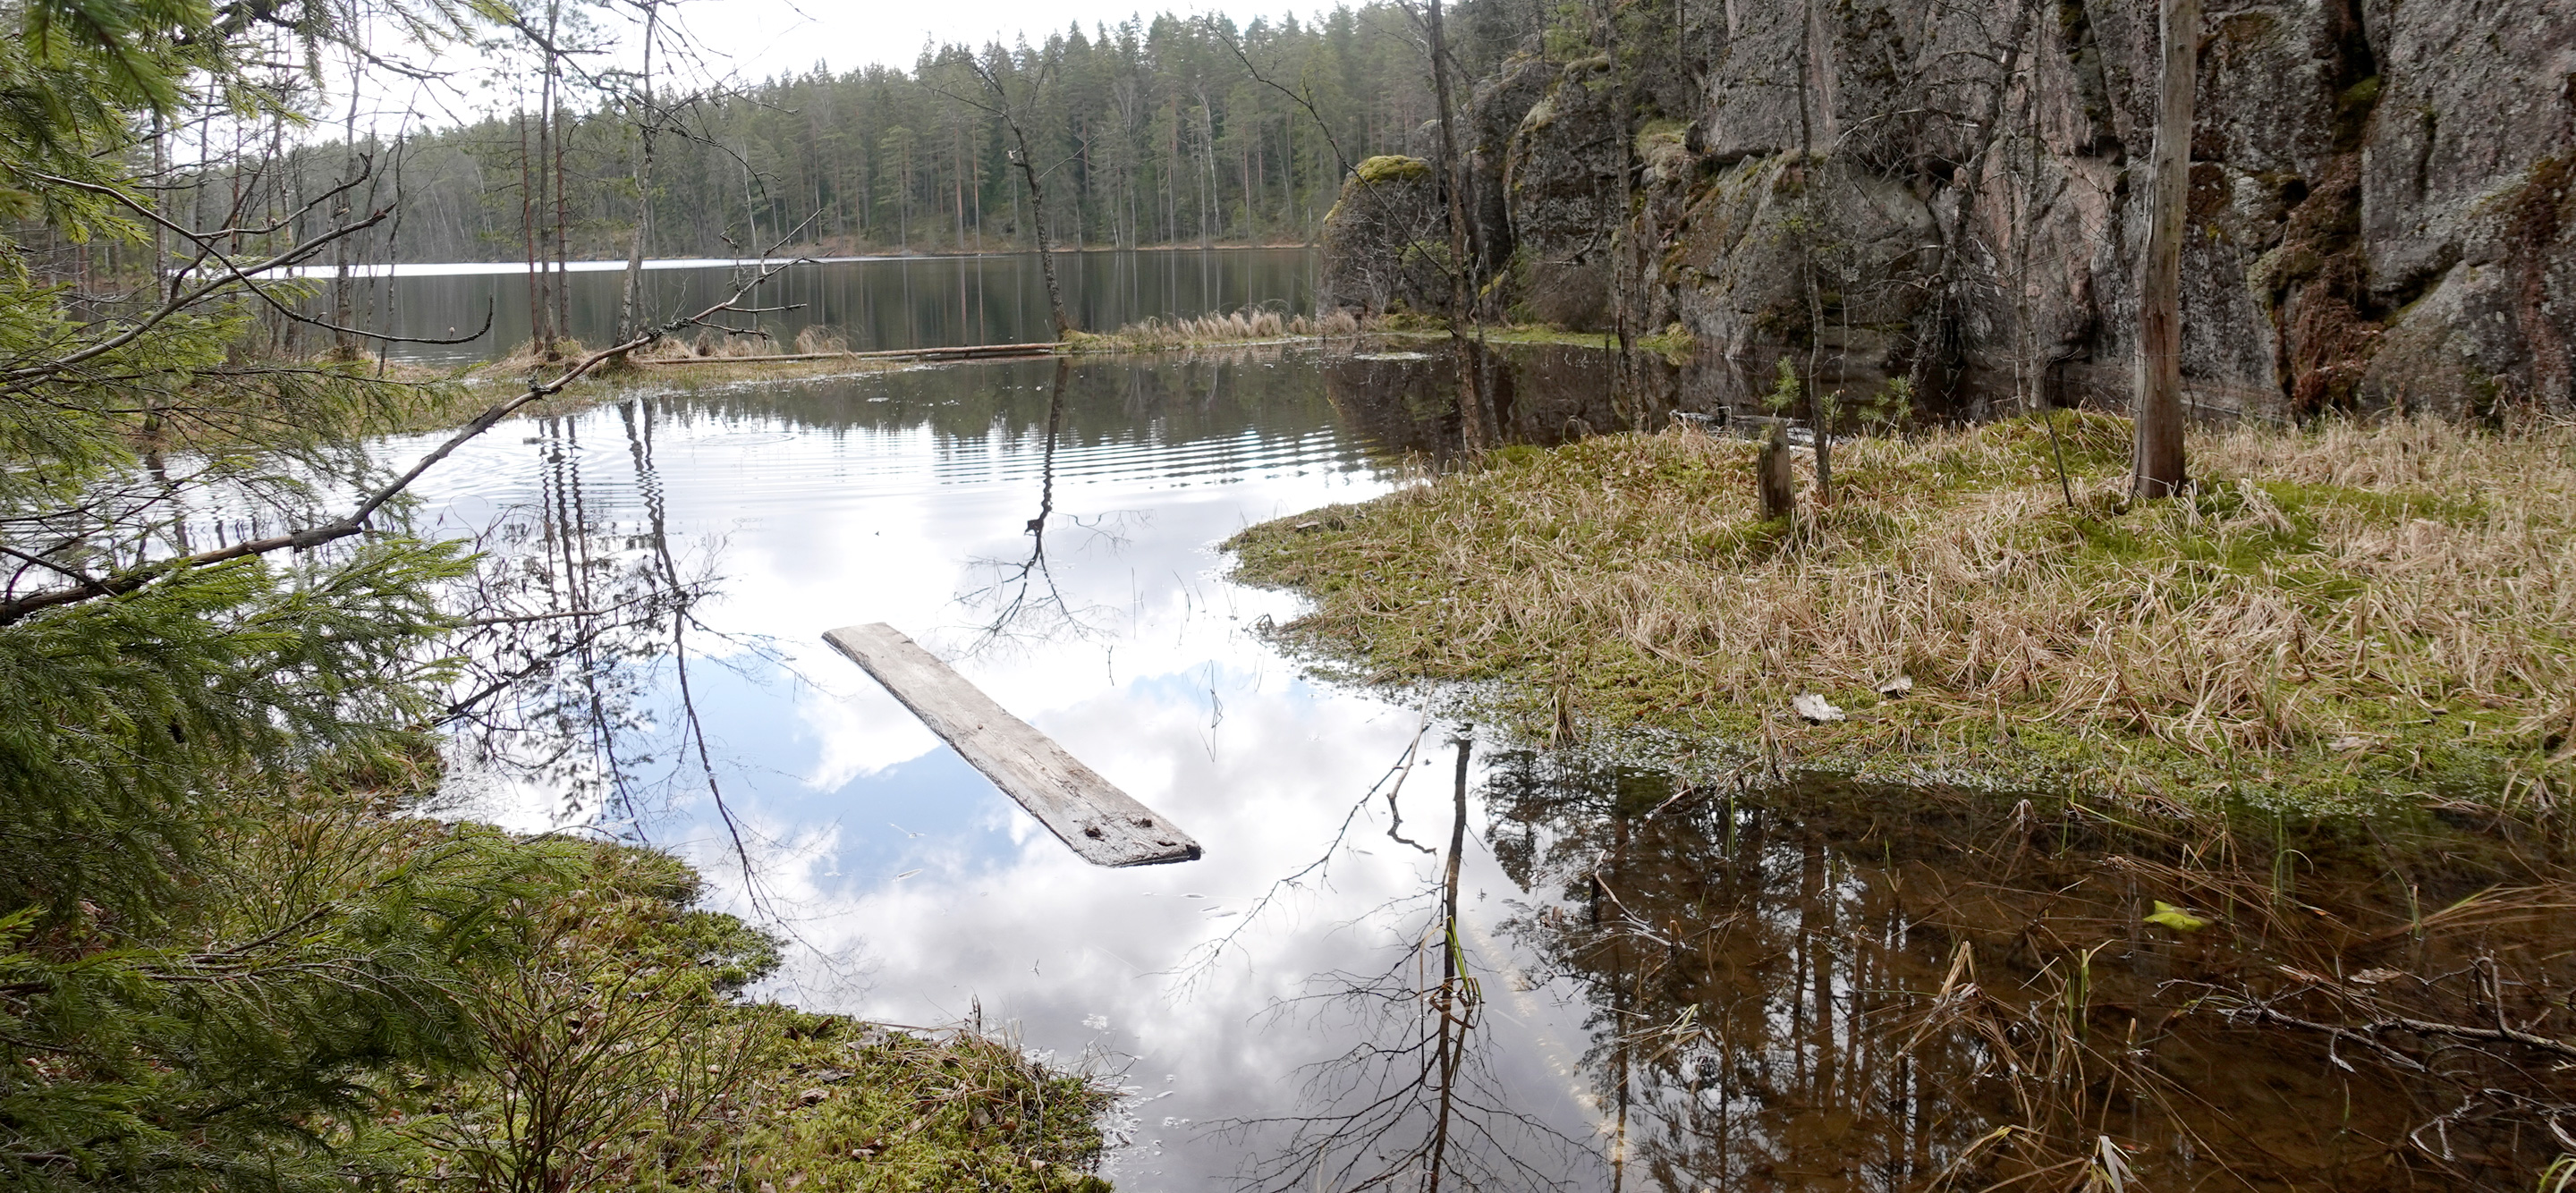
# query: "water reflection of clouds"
[[1746, 987], [1036, 937], [893, 859]]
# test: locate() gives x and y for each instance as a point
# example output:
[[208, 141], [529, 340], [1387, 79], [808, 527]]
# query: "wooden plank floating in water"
[[965, 352], [1103, 824]]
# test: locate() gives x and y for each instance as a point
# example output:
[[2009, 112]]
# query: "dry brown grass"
[[2342, 613], [1153, 334]]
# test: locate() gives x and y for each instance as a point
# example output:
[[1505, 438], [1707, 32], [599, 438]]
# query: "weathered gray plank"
[[1103, 824]]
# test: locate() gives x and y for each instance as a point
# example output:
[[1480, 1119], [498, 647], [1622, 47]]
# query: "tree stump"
[[1771, 475]]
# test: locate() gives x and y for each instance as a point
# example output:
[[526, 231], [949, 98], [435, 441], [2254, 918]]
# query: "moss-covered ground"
[[620, 1051], [2337, 617], [839, 1104]]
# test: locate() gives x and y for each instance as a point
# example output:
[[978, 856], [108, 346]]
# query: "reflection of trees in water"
[[573, 617], [1838, 988], [1408, 400], [1180, 398], [1728, 981], [1413, 1101], [1022, 602]]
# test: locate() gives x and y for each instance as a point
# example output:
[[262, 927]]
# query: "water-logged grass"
[[618, 1051], [844, 1105], [2338, 617]]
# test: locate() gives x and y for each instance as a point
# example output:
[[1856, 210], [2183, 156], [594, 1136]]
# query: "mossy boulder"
[[1383, 240], [1392, 167]]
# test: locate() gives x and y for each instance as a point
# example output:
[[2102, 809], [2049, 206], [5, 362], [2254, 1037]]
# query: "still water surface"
[[882, 302], [1682, 985], [919, 894]]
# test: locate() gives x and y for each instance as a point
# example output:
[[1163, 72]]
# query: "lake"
[[866, 303], [1684, 982], [916, 892]]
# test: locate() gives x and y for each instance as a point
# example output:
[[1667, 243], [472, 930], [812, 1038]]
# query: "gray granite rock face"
[[1494, 116], [1386, 240], [1562, 187], [2467, 208], [2382, 212], [1809, 256]]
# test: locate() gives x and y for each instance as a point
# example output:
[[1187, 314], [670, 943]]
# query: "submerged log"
[[962, 352], [1103, 824]]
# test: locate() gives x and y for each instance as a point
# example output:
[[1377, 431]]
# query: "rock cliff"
[[2382, 211], [1384, 239]]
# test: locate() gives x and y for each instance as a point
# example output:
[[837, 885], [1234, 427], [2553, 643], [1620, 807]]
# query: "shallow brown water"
[[1839, 988]]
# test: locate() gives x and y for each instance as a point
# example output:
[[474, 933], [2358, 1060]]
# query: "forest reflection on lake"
[[1826, 986], [871, 303], [1672, 980]]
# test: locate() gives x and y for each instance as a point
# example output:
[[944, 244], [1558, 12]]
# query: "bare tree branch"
[[355, 520]]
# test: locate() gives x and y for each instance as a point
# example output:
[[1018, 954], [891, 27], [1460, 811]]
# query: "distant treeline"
[[1174, 130]]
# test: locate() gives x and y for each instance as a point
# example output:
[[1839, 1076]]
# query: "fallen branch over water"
[[85, 587]]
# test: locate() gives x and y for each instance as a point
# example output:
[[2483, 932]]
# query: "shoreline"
[[433, 269]]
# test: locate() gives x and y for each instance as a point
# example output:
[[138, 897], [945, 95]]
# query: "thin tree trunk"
[[1462, 287], [344, 345], [1819, 413], [560, 131], [537, 337], [1037, 199], [634, 291], [1623, 233], [1212, 221], [563, 230], [161, 179], [545, 173], [2158, 413], [1453, 1018], [1046, 251]]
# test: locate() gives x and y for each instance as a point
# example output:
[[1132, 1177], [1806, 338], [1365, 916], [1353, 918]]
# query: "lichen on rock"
[[1381, 239]]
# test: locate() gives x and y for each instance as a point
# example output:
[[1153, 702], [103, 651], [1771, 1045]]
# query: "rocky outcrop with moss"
[[1381, 238], [2381, 214]]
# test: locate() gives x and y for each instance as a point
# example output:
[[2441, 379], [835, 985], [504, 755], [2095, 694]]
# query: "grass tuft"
[[1159, 334]]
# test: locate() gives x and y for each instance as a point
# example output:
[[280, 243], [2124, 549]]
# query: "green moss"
[[619, 983], [2353, 109], [1658, 133], [846, 1105], [1674, 343], [2386, 505], [1392, 167]]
